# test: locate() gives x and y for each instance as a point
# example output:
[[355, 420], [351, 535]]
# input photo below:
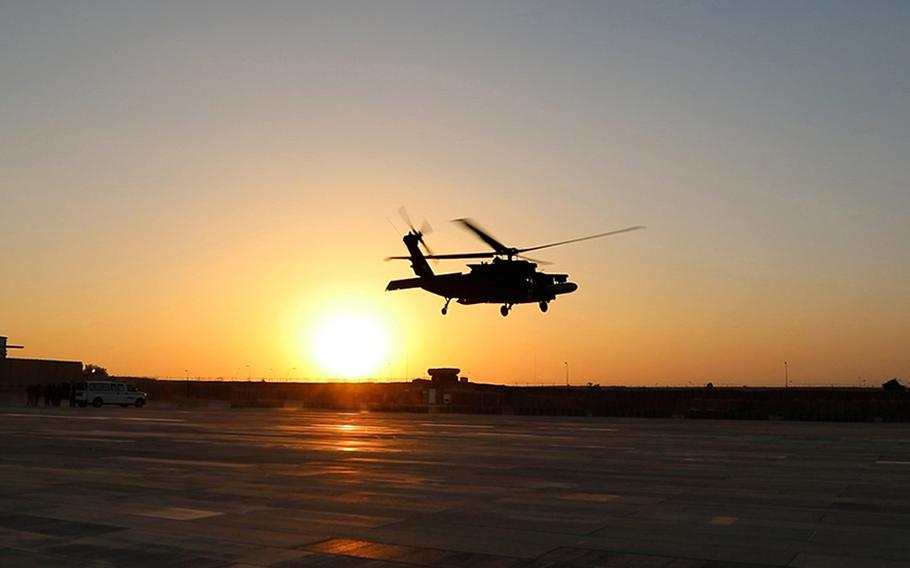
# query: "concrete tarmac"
[[245, 488]]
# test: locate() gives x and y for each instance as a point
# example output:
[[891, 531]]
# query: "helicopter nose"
[[564, 288]]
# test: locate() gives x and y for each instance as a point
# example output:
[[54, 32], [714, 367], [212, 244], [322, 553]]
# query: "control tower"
[[444, 374]]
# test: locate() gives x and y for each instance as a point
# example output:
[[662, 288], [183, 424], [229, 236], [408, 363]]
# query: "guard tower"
[[4, 346]]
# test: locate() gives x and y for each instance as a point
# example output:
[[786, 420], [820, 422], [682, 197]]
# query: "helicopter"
[[509, 278]]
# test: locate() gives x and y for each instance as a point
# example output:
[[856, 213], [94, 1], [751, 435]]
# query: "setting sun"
[[350, 346]]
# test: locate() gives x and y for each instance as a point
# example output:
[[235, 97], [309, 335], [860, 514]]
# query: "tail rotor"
[[425, 228]]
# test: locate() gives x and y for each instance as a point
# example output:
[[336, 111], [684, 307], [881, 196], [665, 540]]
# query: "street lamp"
[[567, 372], [786, 376]]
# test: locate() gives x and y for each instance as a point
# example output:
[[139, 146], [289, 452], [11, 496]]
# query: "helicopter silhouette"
[[509, 278]]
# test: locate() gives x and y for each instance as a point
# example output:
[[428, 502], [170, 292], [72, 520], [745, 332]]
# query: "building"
[[22, 372], [444, 375]]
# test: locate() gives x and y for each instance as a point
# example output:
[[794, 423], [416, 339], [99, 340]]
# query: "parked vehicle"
[[98, 393]]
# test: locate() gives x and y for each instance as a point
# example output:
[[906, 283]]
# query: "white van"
[[97, 393]]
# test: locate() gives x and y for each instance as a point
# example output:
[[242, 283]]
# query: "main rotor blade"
[[597, 236], [462, 255], [484, 236], [534, 260], [448, 256]]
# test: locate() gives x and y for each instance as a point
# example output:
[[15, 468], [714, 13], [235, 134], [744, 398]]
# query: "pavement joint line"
[[358, 544], [77, 417], [590, 497], [175, 461], [659, 556], [178, 513]]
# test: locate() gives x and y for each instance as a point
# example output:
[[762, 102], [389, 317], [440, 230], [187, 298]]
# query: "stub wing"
[[404, 284]]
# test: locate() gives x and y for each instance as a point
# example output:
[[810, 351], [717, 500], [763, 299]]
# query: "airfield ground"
[[154, 488]]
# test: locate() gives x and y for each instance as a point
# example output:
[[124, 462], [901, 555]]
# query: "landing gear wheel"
[[504, 310], [445, 308], [544, 306]]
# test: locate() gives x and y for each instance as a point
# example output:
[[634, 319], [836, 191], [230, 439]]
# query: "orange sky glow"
[[198, 194]]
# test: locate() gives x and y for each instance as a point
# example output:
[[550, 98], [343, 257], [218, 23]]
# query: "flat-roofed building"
[[32, 371], [20, 372]]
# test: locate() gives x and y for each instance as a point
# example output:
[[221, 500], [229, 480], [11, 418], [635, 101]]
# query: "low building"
[[21, 372]]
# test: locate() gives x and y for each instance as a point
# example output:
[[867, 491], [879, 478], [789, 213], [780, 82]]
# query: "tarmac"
[[85, 487]]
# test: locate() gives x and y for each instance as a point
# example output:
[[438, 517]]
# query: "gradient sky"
[[189, 187]]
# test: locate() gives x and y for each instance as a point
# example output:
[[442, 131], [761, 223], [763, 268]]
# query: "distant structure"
[[445, 375], [4, 346], [446, 389], [22, 372]]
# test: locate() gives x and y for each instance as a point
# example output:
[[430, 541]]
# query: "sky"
[[202, 188]]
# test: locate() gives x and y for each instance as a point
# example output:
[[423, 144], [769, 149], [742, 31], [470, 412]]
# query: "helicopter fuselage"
[[505, 282], [501, 281]]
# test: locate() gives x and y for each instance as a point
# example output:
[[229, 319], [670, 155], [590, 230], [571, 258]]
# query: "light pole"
[[786, 375], [187, 382], [291, 370], [249, 372], [567, 372]]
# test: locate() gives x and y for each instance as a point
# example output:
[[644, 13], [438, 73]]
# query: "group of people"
[[53, 394]]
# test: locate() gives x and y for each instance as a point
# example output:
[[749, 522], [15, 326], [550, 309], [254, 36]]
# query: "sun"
[[350, 346]]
